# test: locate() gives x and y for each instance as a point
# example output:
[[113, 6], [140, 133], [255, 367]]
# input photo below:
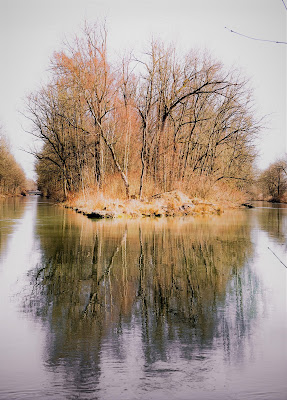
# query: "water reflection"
[[11, 209], [273, 220], [150, 309], [172, 289]]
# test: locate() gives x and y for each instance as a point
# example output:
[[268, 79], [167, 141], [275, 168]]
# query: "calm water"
[[150, 309]]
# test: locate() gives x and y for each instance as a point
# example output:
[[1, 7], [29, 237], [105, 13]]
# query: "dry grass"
[[166, 204], [215, 192], [187, 199], [90, 199]]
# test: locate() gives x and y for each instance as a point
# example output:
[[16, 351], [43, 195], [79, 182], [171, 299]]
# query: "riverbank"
[[10, 195], [282, 200], [173, 203]]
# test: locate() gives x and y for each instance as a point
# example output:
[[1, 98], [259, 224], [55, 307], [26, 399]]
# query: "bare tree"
[[273, 181], [84, 66], [155, 121]]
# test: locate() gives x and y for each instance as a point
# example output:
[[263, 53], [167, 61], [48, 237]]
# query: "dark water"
[[150, 309]]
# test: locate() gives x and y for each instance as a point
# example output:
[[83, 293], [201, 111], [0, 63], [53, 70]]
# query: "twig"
[[277, 257], [284, 4], [159, 194], [253, 38]]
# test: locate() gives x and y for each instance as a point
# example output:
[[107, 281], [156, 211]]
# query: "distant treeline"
[[143, 124], [12, 177], [272, 182]]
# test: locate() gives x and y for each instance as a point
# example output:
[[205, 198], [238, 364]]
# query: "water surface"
[[177, 308]]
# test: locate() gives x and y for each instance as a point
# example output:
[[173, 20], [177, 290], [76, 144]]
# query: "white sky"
[[30, 30]]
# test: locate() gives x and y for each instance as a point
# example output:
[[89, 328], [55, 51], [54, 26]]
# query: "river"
[[177, 308]]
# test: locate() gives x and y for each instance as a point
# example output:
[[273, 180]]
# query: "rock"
[[247, 205], [95, 215], [186, 206], [101, 214]]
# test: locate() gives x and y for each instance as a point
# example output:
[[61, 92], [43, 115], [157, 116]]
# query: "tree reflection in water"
[[184, 284], [273, 220], [11, 209]]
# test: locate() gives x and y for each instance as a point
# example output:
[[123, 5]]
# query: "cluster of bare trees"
[[12, 177], [154, 122], [273, 181]]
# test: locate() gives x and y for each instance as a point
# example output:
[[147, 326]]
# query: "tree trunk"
[[117, 165]]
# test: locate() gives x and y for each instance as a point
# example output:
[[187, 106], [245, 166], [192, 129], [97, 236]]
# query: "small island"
[[147, 136], [169, 204], [162, 134]]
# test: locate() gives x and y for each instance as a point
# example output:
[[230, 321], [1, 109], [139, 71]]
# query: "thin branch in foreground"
[[253, 38], [284, 4], [277, 257]]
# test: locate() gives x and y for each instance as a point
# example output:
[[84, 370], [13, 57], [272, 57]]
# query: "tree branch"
[[253, 38]]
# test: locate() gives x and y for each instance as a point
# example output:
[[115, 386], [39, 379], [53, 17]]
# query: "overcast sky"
[[31, 30]]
